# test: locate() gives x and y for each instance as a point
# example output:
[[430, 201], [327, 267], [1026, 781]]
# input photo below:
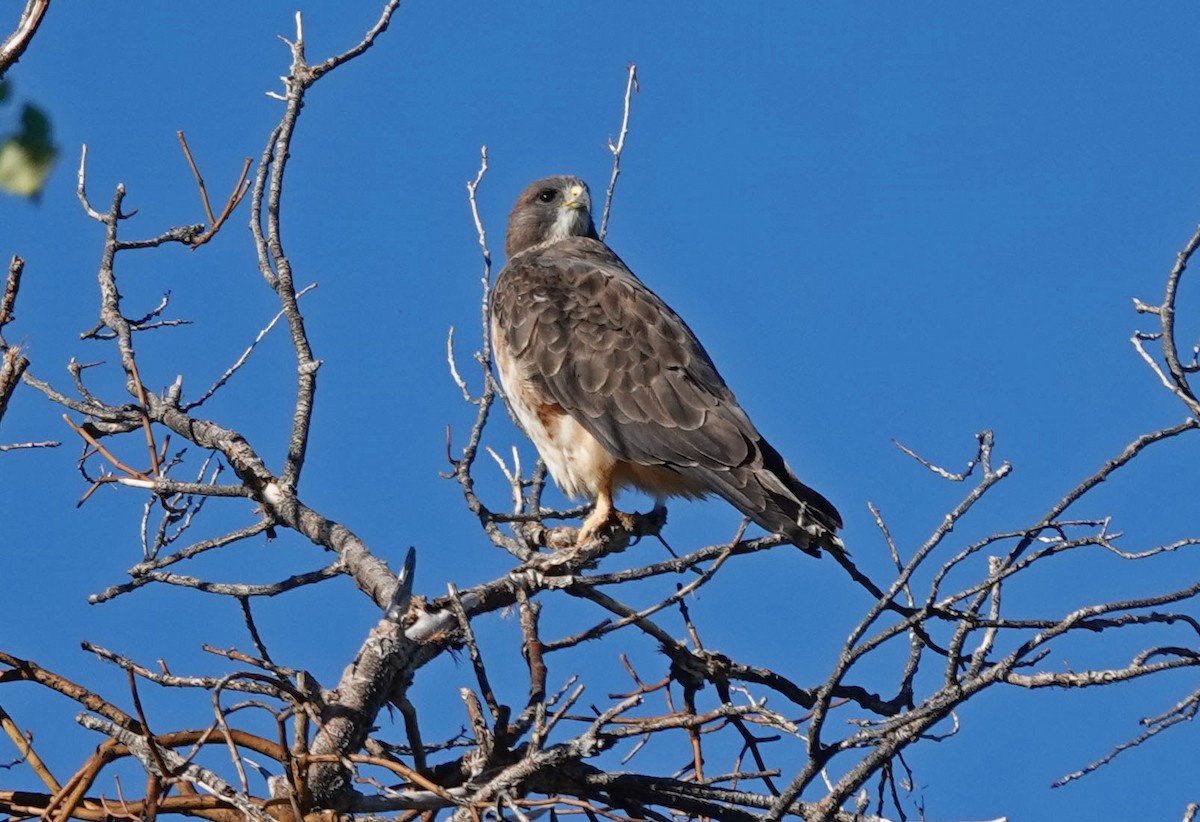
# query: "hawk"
[[615, 390]]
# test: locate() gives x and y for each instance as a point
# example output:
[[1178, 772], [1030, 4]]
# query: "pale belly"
[[577, 461], [580, 465]]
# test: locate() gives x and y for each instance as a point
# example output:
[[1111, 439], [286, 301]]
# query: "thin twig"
[[617, 148], [187, 152]]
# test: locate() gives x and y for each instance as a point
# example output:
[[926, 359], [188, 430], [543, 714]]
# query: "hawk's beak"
[[576, 198]]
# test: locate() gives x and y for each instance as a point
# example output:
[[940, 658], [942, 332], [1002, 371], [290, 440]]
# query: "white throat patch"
[[569, 222]]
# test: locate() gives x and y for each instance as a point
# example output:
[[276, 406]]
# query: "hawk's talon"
[[613, 525]]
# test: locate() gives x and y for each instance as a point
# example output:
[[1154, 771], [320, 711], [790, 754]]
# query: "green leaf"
[[24, 166], [27, 157]]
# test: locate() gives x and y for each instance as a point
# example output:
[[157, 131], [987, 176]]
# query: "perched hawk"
[[613, 387]]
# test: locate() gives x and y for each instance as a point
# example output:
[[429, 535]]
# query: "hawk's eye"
[[547, 195]]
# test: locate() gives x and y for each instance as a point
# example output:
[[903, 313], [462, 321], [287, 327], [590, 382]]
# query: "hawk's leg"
[[601, 514], [604, 514]]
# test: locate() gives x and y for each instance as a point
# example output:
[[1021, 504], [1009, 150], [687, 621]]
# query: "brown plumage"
[[613, 387]]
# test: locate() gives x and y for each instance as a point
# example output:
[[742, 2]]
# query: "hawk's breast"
[[578, 462]]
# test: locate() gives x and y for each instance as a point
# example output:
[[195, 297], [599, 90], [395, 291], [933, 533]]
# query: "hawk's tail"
[[810, 537], [791, 508]]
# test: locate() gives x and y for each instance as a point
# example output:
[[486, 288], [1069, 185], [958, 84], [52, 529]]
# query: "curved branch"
[[16, 43]]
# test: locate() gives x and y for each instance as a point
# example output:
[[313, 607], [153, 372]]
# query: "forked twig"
[[240, 188]]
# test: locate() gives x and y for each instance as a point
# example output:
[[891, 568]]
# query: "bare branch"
[[148, 751], [617, 148], [16, 43]]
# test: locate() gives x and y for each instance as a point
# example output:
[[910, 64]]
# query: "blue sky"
[[883, 220]]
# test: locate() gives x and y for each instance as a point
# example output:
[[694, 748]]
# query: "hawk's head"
[[547, 211]]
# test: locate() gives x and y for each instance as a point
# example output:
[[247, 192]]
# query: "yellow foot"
[[602, 520]]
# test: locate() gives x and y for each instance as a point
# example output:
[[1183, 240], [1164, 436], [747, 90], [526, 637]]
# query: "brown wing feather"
[[578, 323]]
